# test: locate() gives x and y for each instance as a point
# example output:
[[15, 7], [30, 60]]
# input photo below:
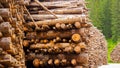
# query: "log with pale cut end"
[[76, 37], [56, 62], [73, 62], [115, 55], [36, 63], [51, 34], [71, 20]]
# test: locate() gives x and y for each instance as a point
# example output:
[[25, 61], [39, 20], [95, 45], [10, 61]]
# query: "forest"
[[105, 15]]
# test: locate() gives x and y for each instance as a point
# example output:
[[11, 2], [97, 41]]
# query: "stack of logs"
[[53, 34], [11, 49], [63, 37]]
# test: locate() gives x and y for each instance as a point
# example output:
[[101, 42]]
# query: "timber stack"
[[11, 49], [50, 34]]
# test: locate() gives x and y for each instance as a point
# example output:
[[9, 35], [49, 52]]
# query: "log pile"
[[115, 55], [53, 34], [11, 49]]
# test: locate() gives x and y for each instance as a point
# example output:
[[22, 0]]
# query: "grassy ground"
[[111, 46]]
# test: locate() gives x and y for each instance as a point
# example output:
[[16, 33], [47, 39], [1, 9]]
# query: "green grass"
[[111, 46]]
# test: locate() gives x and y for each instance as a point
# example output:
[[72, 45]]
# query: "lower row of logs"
[[57, 60], [74, 34], [59, 26], [58, 48]]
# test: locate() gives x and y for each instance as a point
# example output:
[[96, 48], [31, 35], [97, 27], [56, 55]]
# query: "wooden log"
[[36, 63], [80, 59], [77, 25], [4, 12], [50, 62], [73, 62], [6, 44], [65, 11], [56, 62], [58, 4], [53, 34], [6, 29], [70, 20], [8, 60], [42, 17], [76, 37], [77, 49]]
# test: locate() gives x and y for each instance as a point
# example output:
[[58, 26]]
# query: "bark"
[[80, 59], [68, 20], [6, 44], [5, 12], [65, 11], [52, 34], [42, 17]]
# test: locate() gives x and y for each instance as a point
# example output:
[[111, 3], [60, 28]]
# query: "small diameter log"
[[76, 37], [42, 17], [77, 49], [5, 12], [79, 59], [70, 20], [6, 28], [8, 60], [53, 34], [77, 25], [6, 44], [64, 62], [50, 62], [73, 62], [25, 43], [56, 62], [36, 63], [65, 11], [57, 4]]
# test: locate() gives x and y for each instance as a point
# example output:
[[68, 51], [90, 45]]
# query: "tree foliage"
[[105, 15]]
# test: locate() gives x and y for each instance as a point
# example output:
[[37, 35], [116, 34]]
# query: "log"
[[6, 29], [58, 4], [77, 25], [80, 59], [50, 62], [76, 37], [58, 48], [57, 62], [68, 20], [42, 17], [6, 44], [53, 34], [65, 11], [73, 62], [36, 63], [5, 12], [8, 60]]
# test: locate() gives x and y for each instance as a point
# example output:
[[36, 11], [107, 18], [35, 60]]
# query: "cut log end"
[[36, 62], [76, 37]]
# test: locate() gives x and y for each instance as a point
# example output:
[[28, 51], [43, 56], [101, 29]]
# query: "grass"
[[111, 46]]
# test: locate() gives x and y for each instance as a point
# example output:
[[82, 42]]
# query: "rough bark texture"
[[115, 55], [66, 41]]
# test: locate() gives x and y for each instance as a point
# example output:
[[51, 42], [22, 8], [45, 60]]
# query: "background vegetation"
[[105, 15]]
